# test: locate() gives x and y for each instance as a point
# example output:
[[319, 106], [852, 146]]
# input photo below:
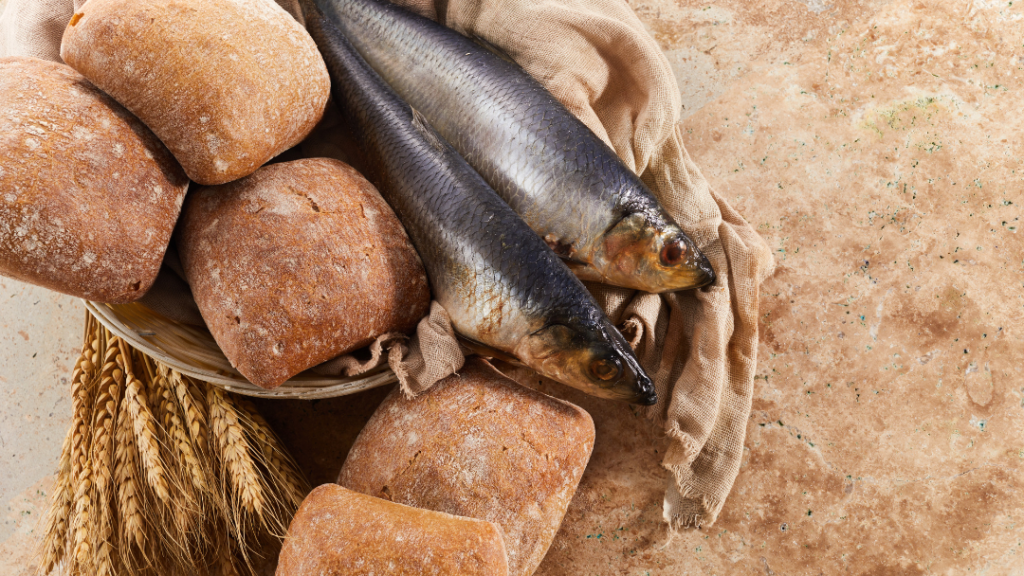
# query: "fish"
[[501, 285], [566, 183]]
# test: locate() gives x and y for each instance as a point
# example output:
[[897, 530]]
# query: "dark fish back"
[[470, 241], [524, 142]]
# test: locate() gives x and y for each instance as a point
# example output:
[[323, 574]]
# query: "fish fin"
[[419, 122], [487, 351], [585, 271], [493, 49]]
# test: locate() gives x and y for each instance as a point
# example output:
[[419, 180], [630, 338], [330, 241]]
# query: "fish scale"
[[500, 284]]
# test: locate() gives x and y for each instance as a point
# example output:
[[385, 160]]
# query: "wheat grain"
[[84, 521], [146, 437], [110, 385], [178, 437], [190, 399], [133, 527], [233, 452], [60, 510], [111, 382]]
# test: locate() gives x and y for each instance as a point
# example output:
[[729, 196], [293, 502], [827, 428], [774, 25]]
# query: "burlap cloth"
[[699, 346]]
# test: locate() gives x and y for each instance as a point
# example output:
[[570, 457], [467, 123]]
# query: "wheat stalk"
[[136, 490]]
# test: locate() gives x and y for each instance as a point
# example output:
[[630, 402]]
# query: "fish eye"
[[605, 369], [674, 252]]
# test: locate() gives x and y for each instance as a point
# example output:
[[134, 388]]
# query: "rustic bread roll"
[[297, 264], [88, 195], [226, 84], [341, 533], [478, 445]]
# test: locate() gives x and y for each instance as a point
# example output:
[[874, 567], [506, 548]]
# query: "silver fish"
[[563, 180], [501, 285]]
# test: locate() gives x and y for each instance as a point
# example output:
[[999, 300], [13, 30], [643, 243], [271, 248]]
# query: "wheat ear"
[[186, 480], [130, 505], [104, 420], [179, 437], [145, 431], [82, 527], [60, 511], [233, 452], [190, 398], [284, 473]]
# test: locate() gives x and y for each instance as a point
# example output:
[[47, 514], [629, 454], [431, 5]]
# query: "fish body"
[[500, 284], [564, 181]]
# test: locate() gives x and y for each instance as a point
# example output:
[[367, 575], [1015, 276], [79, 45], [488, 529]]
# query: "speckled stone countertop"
[[877, 146]]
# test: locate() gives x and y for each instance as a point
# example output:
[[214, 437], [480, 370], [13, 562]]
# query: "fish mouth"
[[644, 386], [647, 400], [704, 265], [597, 361]]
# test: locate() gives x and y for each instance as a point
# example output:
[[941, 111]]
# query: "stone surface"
[[876, 145], [40, 339]]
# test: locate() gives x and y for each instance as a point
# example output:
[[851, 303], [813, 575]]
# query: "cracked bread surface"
[[225, 84], [88, 195], [478, 444], [344, 533], [297, 264]]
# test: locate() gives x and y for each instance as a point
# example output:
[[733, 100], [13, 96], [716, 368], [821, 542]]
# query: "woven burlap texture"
[[699, 346]]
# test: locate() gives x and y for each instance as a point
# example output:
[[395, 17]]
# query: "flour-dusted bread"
[[479, 445], [344, 533], [226, 84], [296, 264], [88, 195]]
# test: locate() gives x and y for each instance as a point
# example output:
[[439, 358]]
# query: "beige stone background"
[[877, 146]]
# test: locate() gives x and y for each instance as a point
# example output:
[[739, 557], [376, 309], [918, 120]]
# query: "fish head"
[[651, 256], [597, 361]]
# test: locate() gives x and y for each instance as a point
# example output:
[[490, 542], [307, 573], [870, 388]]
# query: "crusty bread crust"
[[477, 444], [225, 84], [88, 195], [344, 533], [296, 264]]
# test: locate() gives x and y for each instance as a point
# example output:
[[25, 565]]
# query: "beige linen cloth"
[[700, 347]]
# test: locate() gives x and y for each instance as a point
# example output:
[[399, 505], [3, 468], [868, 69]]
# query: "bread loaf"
[[479, 445], [344, 533], [88, 195], [226, 84], [297, 264]]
